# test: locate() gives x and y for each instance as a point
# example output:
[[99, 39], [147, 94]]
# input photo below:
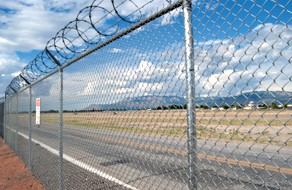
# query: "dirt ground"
[[14, 175]]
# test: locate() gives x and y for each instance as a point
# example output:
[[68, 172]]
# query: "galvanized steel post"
[[17, 123], [9, 122], [61, 130], [190, 78], [29, 129], [60, 127], [4, 123]]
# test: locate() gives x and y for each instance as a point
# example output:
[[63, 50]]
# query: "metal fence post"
[[4, 120], [9, 122], [29, 129], [190, 78], [61, 130], [16, 136]]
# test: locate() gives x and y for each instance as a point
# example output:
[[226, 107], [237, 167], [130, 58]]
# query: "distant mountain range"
[[141, 102], [150, 102], [258, 97]]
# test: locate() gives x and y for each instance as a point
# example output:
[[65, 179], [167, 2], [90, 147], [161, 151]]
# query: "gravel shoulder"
[[14, 175]]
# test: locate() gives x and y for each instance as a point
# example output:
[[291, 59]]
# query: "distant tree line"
[[172, 107], [226, 107], [169, 107]]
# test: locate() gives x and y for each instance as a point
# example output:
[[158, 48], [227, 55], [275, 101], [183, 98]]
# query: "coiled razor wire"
[[93, 25]]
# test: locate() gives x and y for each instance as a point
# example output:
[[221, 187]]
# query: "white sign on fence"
[[38, 111]]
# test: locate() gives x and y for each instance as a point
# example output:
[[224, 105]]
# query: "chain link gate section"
[[159, 95]]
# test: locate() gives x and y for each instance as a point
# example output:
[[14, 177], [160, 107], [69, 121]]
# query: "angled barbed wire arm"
[[13, 89], [25, 80], [53, 57]]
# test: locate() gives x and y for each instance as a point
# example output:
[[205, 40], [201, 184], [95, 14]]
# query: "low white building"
[[250, 106]]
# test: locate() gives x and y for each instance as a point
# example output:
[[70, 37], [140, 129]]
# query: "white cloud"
[[26, 26], [146, 78], [223, 68], [6, 42], [15, 74], [170, 17], [116, 50], [260, 60], [10, 65], [35, 22]]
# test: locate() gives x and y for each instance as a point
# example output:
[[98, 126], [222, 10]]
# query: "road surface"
[[148, 161]]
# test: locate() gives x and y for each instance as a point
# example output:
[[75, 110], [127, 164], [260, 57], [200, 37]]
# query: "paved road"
[[147, 161]]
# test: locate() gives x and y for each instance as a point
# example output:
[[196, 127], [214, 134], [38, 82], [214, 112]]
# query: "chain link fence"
[[159, 95]]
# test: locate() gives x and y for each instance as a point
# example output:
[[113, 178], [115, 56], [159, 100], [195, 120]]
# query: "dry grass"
[[264, 126]]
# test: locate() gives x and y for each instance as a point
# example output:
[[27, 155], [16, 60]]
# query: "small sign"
[[38, 111]]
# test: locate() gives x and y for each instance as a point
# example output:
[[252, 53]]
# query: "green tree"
[[204, 106], [274, 106]]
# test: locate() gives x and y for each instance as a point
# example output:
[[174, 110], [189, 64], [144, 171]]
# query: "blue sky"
[[246, 49]]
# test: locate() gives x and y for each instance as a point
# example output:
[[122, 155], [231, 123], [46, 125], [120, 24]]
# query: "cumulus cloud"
[[261, 59], [116, 50], [27, 26], [256, 60], [34, 22], [10, 65], [223, 67]]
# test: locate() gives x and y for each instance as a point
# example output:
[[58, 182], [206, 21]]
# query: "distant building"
[[260, 107], [250, 106]]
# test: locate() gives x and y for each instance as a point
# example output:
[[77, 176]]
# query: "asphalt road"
[[148, 161]]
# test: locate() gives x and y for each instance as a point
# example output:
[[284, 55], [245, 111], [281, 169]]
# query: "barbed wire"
[[94, 23]]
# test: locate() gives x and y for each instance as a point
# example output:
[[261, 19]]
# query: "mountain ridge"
[[154, 101]]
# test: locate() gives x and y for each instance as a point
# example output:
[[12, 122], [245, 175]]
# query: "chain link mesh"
[[23, 126], [124, 121], [243, 62]]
